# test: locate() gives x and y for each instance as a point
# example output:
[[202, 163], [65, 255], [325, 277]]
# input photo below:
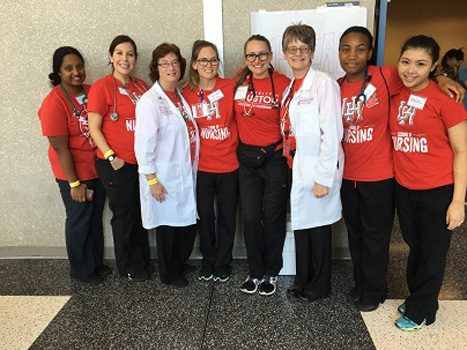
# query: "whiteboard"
[[328, 23]]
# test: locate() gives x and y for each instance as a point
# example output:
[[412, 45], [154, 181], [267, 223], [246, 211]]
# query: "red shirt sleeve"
[[97, 99], [452, 113], [391, 75], [53, 116]]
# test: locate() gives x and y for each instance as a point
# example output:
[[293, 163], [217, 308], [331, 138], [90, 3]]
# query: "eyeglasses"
[[262, 56], [204, 61], [293, 49], [167, 64]]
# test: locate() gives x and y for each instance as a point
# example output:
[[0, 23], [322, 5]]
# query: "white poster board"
[[328, 23]]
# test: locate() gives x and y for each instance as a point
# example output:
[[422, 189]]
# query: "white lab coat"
[[162, 146], [316, 122]]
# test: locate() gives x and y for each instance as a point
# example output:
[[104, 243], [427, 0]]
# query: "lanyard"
[[177, 104], [76, 112]]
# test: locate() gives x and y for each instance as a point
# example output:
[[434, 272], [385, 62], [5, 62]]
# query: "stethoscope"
[[251, 87], [180, 107], [114, 114], [76, 112], [361, 95]]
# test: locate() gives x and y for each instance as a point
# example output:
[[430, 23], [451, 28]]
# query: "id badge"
[[241, 93], [286, 148], [215, 96], [369, 91], [200, 110], [416, 101]]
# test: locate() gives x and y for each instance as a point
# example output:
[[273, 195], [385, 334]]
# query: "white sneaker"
[[250, 286], [268, 285]]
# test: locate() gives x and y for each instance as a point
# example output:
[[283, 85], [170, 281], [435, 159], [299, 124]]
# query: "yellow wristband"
[[75, 184], [153, 181], [108, 153]]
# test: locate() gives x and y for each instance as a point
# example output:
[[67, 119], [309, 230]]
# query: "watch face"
[[111, 157]]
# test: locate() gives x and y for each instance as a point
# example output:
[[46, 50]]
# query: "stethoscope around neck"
[[251, 87], [114, 114], [361, 95]]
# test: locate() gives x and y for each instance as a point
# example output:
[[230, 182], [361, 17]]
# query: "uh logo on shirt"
[[406, 112], [352, 110]]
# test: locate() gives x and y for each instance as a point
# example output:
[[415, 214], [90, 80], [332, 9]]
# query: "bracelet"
[[108, 153], [75, 184], [153, 181]]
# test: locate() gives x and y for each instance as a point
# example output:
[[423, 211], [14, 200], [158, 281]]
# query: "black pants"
[[174, 246], [368, 209], [83, 229], [223, 189], [313, 256], [130, 238], [422, 217], [263, 192]]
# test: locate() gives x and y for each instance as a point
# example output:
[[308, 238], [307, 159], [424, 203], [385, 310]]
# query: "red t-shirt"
[[177, 101], [119, 134], [217, 131], [57, 119], [423, 157], [262, 128], [367, 141]]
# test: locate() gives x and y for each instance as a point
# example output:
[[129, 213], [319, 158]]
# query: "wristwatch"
[[111, 158]]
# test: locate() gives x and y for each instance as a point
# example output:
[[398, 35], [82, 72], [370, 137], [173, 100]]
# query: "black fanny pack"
[[255, 156]]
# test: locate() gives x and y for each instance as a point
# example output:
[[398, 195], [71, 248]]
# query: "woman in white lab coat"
[[167, 148], [311, 126]]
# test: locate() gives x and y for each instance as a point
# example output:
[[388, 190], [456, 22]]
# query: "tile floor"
[[35, 311]]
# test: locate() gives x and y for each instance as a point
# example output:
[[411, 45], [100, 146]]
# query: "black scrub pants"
[[84, 235], [368, 210], [313, 257], [422, 217], [130, 238], [174, 247], [264, 192], [222, 189]]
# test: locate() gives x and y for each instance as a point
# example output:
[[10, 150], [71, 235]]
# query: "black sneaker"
[[250, 286], [222, 277], [179, 282], [268, 285], [93, 278], [205, 274], [104, 270], [139, 276]]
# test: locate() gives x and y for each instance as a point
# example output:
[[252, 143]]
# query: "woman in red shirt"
[[112, 102], [429, 133], [211, 100], [368, 183], [63, 116], [263, 170]]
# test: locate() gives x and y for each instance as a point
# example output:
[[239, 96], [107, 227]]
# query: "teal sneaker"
[[205, 274], [401, 309], [406, 324]]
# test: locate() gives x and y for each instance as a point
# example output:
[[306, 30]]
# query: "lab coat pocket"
[[171, 177], [306, 172], [307, 120]]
